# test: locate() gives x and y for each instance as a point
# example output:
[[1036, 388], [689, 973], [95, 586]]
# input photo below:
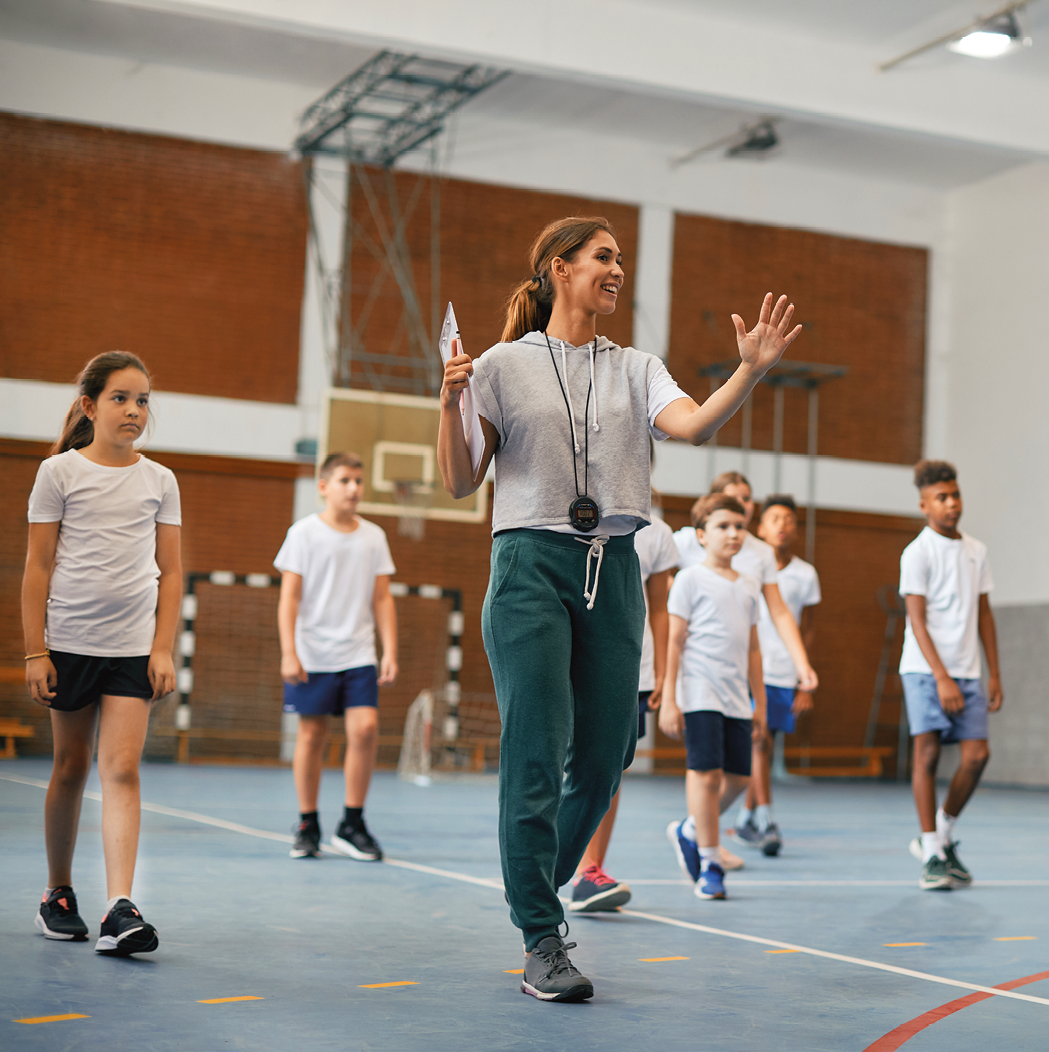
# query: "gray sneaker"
[[771, 841], [747, 834], [958, 873], [935, 876], [551, 976]]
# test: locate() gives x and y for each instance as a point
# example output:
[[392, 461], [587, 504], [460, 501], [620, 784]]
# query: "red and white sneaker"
[[594, 891]]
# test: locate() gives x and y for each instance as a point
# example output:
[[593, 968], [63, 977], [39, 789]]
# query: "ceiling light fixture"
[[988, 37], [997, 36], [752, 140]]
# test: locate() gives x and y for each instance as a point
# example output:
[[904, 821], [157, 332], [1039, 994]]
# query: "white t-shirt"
[[799, 584], [952, 575], [103, 597], [335, 629], [756, 558], [656, 553], [716, 657]]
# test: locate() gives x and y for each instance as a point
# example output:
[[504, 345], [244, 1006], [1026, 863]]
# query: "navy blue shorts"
[[714, 741], [780, 715], [83, 679], [642, 709], [332, 693]]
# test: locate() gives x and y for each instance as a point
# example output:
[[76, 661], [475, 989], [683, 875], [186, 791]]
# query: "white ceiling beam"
[[676, 51]]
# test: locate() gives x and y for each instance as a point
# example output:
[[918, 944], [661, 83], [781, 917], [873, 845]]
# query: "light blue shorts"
[[925, 713]]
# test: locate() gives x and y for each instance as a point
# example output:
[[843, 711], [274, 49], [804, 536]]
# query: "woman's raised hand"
[[457, 372], [764, 345]]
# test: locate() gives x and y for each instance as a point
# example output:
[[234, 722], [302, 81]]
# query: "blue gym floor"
[[800, 957]]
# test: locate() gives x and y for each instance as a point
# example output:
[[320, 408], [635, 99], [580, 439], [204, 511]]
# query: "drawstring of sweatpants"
[[597, 545]]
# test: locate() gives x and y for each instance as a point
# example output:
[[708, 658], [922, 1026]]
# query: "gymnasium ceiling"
[[669, 74]]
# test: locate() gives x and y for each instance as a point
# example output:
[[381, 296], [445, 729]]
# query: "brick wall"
[[190, 255], [485, 234], [862, 304]]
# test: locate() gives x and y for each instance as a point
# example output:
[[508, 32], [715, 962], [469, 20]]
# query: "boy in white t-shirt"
[[335, 592], [714, 613], [944, 580], [799, 585]]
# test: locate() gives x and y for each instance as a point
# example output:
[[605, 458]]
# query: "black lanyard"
[[583, 512]]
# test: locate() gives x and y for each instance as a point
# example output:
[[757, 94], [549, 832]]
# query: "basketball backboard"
[[396, 437]]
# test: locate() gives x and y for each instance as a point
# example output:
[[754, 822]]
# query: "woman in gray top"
[[567, 415]]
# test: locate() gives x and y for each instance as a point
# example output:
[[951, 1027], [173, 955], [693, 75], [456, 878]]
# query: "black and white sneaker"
[[356, 843], [550, 976], [58, 917], [771, 841], [124, 932], [307, 840]]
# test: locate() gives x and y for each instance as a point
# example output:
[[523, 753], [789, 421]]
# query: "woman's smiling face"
[[593, 279]]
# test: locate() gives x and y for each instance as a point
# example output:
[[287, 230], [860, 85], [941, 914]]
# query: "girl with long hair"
[[100, 606], [567, 415]]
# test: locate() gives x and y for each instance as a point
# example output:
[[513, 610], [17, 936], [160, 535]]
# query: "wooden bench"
[[871, 767], [11, 729]]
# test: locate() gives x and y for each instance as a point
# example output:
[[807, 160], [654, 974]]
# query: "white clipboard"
[[467, 407]]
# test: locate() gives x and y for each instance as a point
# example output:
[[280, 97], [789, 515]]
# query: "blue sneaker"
[[711, 883], [685, 849]]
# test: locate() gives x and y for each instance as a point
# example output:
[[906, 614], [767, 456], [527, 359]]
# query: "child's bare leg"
[[362, 746], [923, 777], [703, 793], [74, 745], [731, 786], [598, 846], [122, 727], [760, 789], [308, 760], [975, 755]]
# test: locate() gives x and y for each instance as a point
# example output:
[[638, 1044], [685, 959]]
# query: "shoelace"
[[596, 875], [597, 544], [60, 903], [557, 960]]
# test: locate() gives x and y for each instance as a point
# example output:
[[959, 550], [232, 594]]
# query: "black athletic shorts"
[[642, 710], [715, 741], [82, 679]]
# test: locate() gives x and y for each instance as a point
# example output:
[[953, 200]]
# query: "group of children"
[[725, 656]]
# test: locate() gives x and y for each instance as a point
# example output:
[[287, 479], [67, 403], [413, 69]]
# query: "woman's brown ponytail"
[[78, 431], [530, 303]]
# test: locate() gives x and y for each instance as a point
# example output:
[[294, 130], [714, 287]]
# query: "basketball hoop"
[[411, 519]]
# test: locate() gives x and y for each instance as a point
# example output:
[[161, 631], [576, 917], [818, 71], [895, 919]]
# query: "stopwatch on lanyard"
[[583, 512]]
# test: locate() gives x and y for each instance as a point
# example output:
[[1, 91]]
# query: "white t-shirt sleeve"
[[914, 570], [755, 602], [814, 596], [986, 582], [170, 511], [383, 559], [485, 398], [46, 502], [662, 390], [292, 555], [679, 602]]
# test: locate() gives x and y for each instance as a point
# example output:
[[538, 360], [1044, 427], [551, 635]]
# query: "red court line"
[[903, 1033]]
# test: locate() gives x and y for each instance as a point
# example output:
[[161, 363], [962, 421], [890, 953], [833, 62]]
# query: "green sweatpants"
[[566, 684]]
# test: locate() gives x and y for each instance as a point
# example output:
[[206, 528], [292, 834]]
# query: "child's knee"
[[120, 771], [976, 756], [71, 766]]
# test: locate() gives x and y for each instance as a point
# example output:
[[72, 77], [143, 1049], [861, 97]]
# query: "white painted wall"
[[995, 372]]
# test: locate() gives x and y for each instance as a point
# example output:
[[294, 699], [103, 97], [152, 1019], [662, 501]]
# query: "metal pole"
[[777, 437], [810, 513]]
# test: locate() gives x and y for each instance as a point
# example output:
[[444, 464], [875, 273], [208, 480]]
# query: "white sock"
[[112, 902], [688, 830], [744, 816], [931, 847], [763, 816], [708, 855], [945, 826]]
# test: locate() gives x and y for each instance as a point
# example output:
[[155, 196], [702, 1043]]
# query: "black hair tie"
[[537, 278]]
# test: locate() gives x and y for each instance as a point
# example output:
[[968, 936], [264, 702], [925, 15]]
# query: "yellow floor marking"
[[905, 944], [50, 1018], [514, 971], [1014, 938], [226, 1000], [377, 986], [783, 951], [656, 960]]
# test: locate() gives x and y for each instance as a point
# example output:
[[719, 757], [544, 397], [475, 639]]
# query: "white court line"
[[236, 827], [747, 883]]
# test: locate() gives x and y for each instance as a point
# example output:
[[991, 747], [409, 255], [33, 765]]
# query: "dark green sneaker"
[[957, 872], [935, 876]]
